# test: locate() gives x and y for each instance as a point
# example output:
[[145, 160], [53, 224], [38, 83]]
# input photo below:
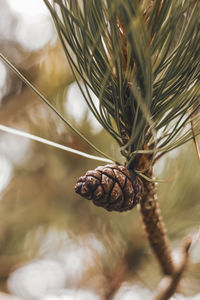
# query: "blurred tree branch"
[[168, 285]]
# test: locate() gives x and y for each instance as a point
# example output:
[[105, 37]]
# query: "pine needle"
[[50, 143], [16, 71]]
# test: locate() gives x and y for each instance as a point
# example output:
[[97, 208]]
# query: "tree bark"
[[153, 223], [155, 228]]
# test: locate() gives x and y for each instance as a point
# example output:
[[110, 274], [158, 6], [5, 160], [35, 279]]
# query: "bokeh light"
[[14, 148], [77, 108], [30, 8], [3, 73], [134, 292], [34, 34], [35, 28], [36, 279], [5, 172], [70, 294]]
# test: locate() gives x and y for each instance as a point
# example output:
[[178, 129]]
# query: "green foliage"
[[141, 59], [53, 108]]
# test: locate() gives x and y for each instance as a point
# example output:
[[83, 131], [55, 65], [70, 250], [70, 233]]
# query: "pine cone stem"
[[155, 228]]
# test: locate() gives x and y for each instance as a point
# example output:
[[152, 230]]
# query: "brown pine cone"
[[112, 187]]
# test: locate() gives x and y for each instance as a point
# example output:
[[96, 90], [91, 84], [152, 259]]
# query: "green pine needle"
[[14, 69], [141, 59]]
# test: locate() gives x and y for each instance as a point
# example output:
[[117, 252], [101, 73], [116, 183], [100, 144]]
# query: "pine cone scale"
[[115, 193], [109, 172], [97, 174], [107, 183]]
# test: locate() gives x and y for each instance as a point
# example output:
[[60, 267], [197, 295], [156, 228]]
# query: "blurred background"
[[53, 244]]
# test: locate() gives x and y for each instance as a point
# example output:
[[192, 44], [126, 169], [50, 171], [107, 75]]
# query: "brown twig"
[[122, 269], [153, 223], [168, 285], [155, 228], [115, 278]]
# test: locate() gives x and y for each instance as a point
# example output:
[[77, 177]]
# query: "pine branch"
[[155, 228], [153, 223], [168, 285], [141, 59]]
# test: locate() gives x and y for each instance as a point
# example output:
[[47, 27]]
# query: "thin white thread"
[[50, 143]]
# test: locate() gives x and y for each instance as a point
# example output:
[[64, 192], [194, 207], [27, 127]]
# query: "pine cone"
[[112, 187]]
